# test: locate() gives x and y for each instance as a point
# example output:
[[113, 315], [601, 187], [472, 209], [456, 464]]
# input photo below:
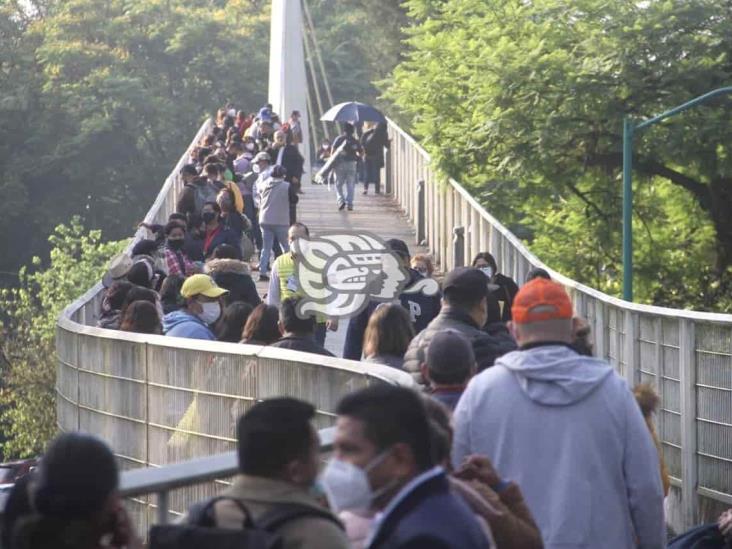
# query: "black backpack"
[[201, 530]]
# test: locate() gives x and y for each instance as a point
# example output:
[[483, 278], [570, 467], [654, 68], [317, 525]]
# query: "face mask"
[[423, 272], [175, 243], [347, 486], [488, 271], [256, 168], [208, 217], [211, 312]]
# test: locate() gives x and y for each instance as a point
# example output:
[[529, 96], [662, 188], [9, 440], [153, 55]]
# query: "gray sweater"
[[274, 202]]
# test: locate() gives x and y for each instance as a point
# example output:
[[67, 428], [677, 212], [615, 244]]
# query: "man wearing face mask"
[[201, 310], [278, 452], [386, 466]]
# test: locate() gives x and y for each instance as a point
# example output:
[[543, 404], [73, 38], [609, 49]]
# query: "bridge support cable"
[[316, 47], [314, 81]]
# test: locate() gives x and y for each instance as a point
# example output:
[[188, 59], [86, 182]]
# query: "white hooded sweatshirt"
[[567, 429]]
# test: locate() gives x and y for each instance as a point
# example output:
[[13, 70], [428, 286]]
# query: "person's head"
[[325, 144], [296, 231], [210, 214], [382, 441], [388, 332], [220, 116], [423, 264], [278, 172], [138, 293], [141, 273], [212, 169], [542, 312], [175, 235], [537, 272], [348, 128], [466, 288], [261, 162], [280, 138], [231, 324], [202, 297], [486, 263], [179, 217], [203, 153], [224, 251], [449, 360], [368, 125], [241, 116], [400, 248], [76, 480], [141, 317], [276, 440], [188, 173], [295, 115], [170, 293], [262, 325], [291, 323], [114, 297], [225, 200]]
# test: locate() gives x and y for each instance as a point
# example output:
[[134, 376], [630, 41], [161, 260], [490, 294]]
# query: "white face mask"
[[347, 485], [488, 271], [211, 312], [256, 168]]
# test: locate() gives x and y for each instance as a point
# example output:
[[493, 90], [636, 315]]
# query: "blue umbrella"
[[353, 111]]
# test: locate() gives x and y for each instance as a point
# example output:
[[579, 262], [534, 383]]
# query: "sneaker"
[[350, 208], [341, 206], [263, 277]]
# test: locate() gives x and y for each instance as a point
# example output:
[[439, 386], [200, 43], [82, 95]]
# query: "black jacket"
[[506, 292], [430, 517], [487, 348], [306, 344], [233, 275]]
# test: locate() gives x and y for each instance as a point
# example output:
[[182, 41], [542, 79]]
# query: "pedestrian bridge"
[[159, 401]]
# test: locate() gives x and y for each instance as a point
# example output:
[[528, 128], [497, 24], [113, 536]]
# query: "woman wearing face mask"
[[201, 310], [176, 259], [422, 263], [504, 288], [217, 233]]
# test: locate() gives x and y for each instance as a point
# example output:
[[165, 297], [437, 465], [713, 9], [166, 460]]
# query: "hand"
[[332, 324], [725, 523], [478, 468]]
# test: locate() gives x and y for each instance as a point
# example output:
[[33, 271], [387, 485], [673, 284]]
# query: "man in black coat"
[[298, 334]]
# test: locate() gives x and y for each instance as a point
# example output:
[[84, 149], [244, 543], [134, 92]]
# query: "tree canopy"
[[523, 102]]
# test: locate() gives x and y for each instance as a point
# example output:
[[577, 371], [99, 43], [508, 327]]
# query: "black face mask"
[[208, 217], [175, 243]]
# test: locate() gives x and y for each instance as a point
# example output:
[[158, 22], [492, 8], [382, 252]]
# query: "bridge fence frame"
[[685, 355]]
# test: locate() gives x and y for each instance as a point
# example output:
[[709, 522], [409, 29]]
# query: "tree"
[[78, 260], [523, 102]]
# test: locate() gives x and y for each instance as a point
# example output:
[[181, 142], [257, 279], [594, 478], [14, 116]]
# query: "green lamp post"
[[629, 130]]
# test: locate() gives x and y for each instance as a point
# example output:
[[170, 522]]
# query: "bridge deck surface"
[[374, 213]]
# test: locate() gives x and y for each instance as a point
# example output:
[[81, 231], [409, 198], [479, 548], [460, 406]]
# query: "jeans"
[[269, 233], [373, 174], [345, 173]]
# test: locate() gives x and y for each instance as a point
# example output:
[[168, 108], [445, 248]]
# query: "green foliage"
[[523, 102], [78, 259]]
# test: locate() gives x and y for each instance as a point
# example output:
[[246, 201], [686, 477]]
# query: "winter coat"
[[260, 495], [292, 161], [428, 516], [422, 309], [567, 429], [505, 293], [305, 344], [225, 235], [233, 275], [486, 347], [274, 202], [184, 324]]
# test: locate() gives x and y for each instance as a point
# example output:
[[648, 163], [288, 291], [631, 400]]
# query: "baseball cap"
[[540, 300], [201, 284], [262, 156], [466, 281], [450, 353], [117, 269], [398, 246]]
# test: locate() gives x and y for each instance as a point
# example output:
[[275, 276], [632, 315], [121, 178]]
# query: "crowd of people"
[[513, 434]]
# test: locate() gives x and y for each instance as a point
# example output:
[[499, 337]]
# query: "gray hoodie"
[[274, 202], [567, 429]]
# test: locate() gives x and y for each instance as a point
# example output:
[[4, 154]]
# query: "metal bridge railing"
[[161, 400], [685, 355]]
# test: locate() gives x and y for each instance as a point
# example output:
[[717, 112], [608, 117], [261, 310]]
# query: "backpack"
[[201, 529]]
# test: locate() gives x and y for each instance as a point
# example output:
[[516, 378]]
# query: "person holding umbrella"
[[348, 151]]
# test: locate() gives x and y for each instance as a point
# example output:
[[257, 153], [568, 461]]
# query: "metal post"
[[689, 456], [627, 209], [421, 220], [163, 506], [458, 247]]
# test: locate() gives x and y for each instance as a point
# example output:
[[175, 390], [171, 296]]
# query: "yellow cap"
[[201, 284]]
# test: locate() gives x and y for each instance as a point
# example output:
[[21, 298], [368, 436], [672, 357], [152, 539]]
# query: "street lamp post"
[[629, 131]]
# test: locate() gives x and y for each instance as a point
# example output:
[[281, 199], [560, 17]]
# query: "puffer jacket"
[[233, 275], [487, 348]]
